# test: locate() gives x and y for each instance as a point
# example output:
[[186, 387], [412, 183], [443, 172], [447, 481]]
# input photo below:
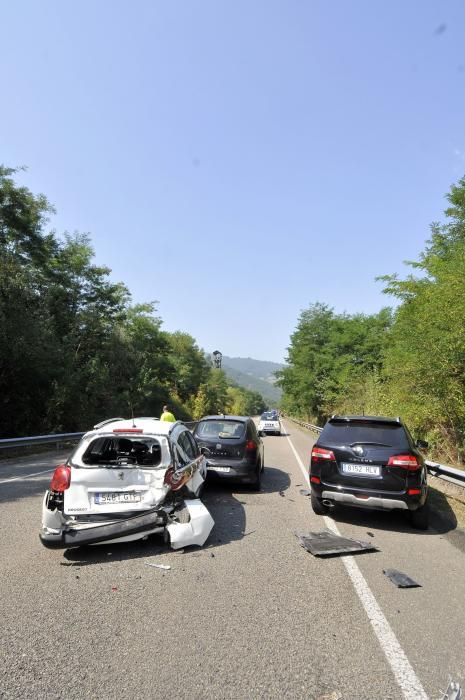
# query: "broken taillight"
[[321, 453], [409, 462], [176, 479], [61, 478]]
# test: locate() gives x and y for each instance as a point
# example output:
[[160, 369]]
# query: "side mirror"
[[422, 444]]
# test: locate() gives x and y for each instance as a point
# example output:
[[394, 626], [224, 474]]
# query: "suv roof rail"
[[105, 422]]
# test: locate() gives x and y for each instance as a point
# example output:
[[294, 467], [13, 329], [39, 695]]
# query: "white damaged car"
[[125, 480]]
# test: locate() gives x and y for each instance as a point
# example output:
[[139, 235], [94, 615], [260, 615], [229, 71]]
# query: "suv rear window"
[[268, 416], [364, 432], [217, 429]]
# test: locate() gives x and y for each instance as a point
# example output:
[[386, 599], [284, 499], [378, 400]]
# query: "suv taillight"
[[320, 453], [409, 462], [61, 478]]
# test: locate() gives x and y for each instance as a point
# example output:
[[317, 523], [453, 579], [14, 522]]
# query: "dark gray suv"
[[369, 462]]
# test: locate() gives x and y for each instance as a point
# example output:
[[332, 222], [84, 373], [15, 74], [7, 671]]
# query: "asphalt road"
[[250, 615]]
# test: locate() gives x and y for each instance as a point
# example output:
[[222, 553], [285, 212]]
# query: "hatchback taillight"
[[251, 445], [409, 462], [61, 478], [320, 453]]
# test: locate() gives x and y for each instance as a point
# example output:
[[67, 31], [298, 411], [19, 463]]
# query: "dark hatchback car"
[[369, 462], [232, 447]]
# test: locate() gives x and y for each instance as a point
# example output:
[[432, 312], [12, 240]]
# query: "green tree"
[[425, 359], [191, 368], [328, 355]]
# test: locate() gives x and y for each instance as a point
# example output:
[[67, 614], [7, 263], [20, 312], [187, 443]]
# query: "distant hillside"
[[257, 375]]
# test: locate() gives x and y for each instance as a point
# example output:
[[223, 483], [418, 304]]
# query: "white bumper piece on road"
[[196, 530]]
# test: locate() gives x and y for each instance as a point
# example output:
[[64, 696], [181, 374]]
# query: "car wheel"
[[419, 518], [317, 505]]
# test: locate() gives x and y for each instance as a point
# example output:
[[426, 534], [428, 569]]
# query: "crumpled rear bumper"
[[194, 532], [77, 537]]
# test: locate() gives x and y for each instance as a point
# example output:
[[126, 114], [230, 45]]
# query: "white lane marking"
[[405, 676], [25, 476]]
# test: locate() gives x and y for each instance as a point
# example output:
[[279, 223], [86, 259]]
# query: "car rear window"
[[268, 416], [121, 451], [217, 429], [364, 432]]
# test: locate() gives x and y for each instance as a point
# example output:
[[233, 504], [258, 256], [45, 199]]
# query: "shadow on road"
[[442, 517]]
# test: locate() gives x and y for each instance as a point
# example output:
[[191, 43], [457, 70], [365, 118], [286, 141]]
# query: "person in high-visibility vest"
[[167, 415]]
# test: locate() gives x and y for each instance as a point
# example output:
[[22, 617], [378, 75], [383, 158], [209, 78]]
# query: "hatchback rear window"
[[345, 433], [216, 429], [121, 451]]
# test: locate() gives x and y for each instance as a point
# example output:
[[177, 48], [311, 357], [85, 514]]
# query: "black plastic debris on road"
[[400, 580], [327, 544]]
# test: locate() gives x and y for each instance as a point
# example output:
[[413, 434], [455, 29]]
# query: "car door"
[[189, 458]]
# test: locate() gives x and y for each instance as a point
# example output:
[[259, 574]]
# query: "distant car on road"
[[125, 480], [369, 462], [269, 423], [233, 449]]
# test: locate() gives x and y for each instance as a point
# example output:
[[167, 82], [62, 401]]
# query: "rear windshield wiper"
[[379, 444]]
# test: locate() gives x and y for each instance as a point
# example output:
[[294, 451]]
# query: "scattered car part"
[[326, 543], [165, 567], [453, 692], [400, 579]]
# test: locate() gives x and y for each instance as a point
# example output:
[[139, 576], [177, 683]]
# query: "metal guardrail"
[[40, 440], [309, 426], [442, 471]]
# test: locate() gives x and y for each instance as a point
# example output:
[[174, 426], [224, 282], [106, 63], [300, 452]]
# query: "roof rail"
[[105, 422]]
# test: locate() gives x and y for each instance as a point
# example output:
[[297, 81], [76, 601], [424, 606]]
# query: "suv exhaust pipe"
[[325, 502]]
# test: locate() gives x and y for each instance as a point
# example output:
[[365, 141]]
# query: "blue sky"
[[238, 160]]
